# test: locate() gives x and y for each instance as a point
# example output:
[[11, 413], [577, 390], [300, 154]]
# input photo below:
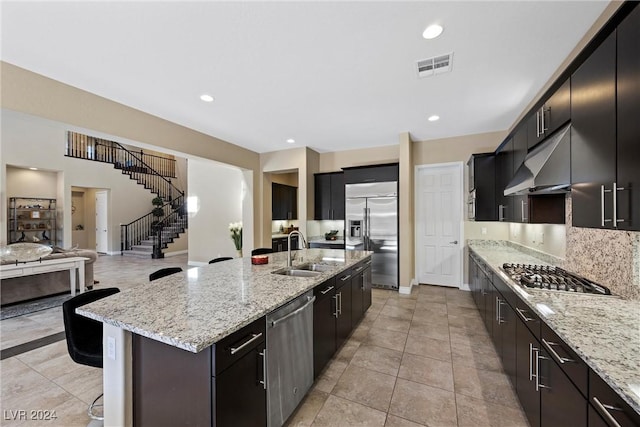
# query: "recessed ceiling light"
[[432, 31], [206, 98], [34, 169], [291, 140], [433, 118]]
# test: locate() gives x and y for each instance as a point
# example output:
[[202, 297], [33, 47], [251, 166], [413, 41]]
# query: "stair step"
[[137, 254], [142, 248]]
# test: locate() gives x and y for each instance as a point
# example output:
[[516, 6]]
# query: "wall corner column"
[[406, 243]]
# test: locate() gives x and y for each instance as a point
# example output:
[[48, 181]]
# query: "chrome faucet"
[[304, 245]]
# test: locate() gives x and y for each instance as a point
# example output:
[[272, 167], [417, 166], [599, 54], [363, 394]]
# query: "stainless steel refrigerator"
[[372, 224]]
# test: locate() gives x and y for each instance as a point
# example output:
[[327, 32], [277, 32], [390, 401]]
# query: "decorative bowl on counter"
[[331, 235], [259, 259]]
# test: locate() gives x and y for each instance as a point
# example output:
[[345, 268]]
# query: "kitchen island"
[[602, 331], [195, 309]]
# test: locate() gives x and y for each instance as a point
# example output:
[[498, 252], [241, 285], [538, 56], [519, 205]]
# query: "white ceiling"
[[331, 75]]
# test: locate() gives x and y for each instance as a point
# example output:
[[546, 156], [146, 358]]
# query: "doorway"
[[102, 222], [439, 224]]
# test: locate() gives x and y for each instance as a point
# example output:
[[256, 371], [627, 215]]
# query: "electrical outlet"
[[484, 230], [541, 238], [111, 348]]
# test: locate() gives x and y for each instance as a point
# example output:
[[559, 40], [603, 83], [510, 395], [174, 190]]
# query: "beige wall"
[[217, 206], [455, 149], [406, 210], [333, 162], [34, 94], [292, 161]]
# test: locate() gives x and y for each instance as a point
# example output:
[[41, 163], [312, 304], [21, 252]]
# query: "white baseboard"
[[465, 287], [406, 290], [197, 263], [176, 253], [110, 253]]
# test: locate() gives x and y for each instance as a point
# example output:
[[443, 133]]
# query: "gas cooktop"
[[552, 278]]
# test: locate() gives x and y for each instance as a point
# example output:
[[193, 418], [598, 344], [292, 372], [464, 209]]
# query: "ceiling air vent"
[[436, 65]]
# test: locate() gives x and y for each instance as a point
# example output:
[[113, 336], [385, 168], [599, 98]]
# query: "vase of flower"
[[235, 228]]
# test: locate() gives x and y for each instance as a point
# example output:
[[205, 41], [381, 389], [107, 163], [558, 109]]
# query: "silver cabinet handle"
[[604, 411], [499, 303], [263, 354], [501, 212], [345, 278], [602, 218], [310, 301], [522, 315], [335, 297], [254, 337], [531, 349], [543, 127], [522, 203], [368, 262], [539, 385], [359, 269], [326, 290], [549, 345], [340, 309], [615, 205], [538, 124], [455, 242]]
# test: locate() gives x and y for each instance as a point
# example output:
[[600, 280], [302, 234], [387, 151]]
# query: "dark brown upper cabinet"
[[482, 187], [519, 204], [284, 202], [329, 196], [504, 173], [628, 124], [555, 112], [593, 137]]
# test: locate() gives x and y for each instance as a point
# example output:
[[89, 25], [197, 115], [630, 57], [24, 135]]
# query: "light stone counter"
[[196, 308], [603, 330]]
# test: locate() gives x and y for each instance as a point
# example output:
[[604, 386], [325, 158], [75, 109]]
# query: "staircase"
[[149, 235]]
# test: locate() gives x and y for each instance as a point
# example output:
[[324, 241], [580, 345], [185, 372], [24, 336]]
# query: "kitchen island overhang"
[[195, 309]]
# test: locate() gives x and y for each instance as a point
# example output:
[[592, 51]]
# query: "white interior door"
[[102, 222], [438, 224]]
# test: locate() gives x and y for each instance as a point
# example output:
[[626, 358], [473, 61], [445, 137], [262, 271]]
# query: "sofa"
[[19, 289]]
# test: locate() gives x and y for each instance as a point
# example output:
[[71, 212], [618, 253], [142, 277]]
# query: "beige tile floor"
[[422, 359], [46, 379]]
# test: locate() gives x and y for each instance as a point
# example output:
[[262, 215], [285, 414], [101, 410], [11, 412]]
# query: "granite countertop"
[[603, 330], [198, 307]]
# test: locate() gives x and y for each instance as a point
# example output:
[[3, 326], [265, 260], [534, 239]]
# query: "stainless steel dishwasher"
[[289, 357]]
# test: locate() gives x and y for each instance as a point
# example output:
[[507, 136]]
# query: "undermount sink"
[[314, 267], [305, 270], [296, 272]]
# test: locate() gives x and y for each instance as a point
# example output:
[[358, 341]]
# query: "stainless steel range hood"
[[546, 169]]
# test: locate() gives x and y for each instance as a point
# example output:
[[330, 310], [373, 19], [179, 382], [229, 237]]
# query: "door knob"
[[455, 242]]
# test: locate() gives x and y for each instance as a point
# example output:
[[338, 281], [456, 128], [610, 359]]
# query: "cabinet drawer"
[[570, 363], [528, 317], [326, 289], [230, 349], [608, 404], [344, 278]]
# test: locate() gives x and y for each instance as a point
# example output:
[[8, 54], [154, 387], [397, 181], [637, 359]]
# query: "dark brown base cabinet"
[[554, 385], [343, 299], [225, 384], [174, 387], [340, 305], [527, 347], [324, 325]]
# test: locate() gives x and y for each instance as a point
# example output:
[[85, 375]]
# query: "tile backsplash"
[[609, 257]]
